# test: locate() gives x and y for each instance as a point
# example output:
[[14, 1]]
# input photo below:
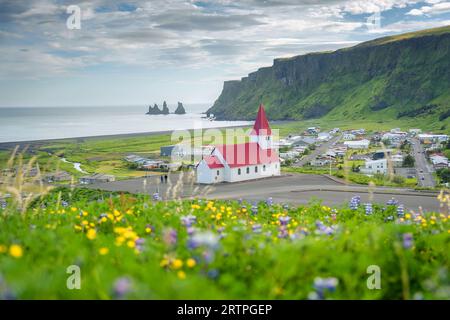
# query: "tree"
[[444, 175], [409, 161], [398, 180], [404, 145]]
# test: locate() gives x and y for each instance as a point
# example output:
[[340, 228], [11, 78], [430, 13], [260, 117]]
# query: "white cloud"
[[436, 8], [415, 12]]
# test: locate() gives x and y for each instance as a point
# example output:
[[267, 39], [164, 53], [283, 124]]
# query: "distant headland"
[[165, 110]]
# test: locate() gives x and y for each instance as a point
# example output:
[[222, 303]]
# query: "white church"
[[246, 161]]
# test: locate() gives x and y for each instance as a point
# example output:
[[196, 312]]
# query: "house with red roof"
[[251, 160]]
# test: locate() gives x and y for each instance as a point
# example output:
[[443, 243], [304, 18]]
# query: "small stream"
[[76, 165]]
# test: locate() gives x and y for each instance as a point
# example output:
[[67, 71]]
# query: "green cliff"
[[404, 76]]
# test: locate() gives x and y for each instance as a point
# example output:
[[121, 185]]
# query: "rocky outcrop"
[[180, 109], [165, 109], [154, 110]]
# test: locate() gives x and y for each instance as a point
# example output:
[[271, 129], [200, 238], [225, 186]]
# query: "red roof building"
[[244, 161]]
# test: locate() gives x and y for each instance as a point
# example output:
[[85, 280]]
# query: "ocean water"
[[41, 123]]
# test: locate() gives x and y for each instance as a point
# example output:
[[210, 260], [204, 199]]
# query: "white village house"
[[357, 144], [375, 166], [246, 161]]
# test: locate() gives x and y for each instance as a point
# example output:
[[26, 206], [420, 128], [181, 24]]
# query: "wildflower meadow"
[[80, 244]]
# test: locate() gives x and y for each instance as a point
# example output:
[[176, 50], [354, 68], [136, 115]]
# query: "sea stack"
[[165, 109], [153, 110], [180, 109]]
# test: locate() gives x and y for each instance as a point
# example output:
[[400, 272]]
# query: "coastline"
[[35, 143], [38, 143]]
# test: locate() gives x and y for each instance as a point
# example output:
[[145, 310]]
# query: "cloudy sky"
[[141, 52]]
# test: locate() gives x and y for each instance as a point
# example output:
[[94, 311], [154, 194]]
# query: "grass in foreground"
[[135, 247]]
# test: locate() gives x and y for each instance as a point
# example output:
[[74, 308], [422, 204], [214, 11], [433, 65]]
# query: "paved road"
[[294, 189], [318, 151], [424, 170]]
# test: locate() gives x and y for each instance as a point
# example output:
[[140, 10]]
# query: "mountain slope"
[[396, 77]]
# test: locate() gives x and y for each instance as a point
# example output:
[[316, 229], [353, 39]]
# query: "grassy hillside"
[[401, 77]]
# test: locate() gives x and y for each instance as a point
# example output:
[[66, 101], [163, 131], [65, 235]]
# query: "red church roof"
[[213, 162], [261, 124], [246, 154]]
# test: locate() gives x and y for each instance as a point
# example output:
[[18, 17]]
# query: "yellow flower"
[[164, 263], [3, 248], [73, 209], [103, 251], [120, 240], [85, 213], [91, 234], [77, 228], [190, 263], [148, 230], [16, 251], [85, 222], [103, 219], [131, 244], [407, 216], [177, 264], [181, 275]]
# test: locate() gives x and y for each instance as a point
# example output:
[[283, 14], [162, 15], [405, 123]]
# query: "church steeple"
[[261, 125], [261, 132]]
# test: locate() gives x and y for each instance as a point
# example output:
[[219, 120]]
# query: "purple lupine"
[[389, 218], [322, 285], [190, 230], [355, 202], [400, 211], [122, 286], [156, 196], [170, 237], [323, 229], [284, 220], [64, 204], [188, 220], [140, 244], [3, 204], [206, 239], [285, 206], [408, 240], [257, 228], [283, 232], [269, 201], [369, 209], [254, 209]]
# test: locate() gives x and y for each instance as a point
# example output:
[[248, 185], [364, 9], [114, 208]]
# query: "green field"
[[129, 247], [105, 154]]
